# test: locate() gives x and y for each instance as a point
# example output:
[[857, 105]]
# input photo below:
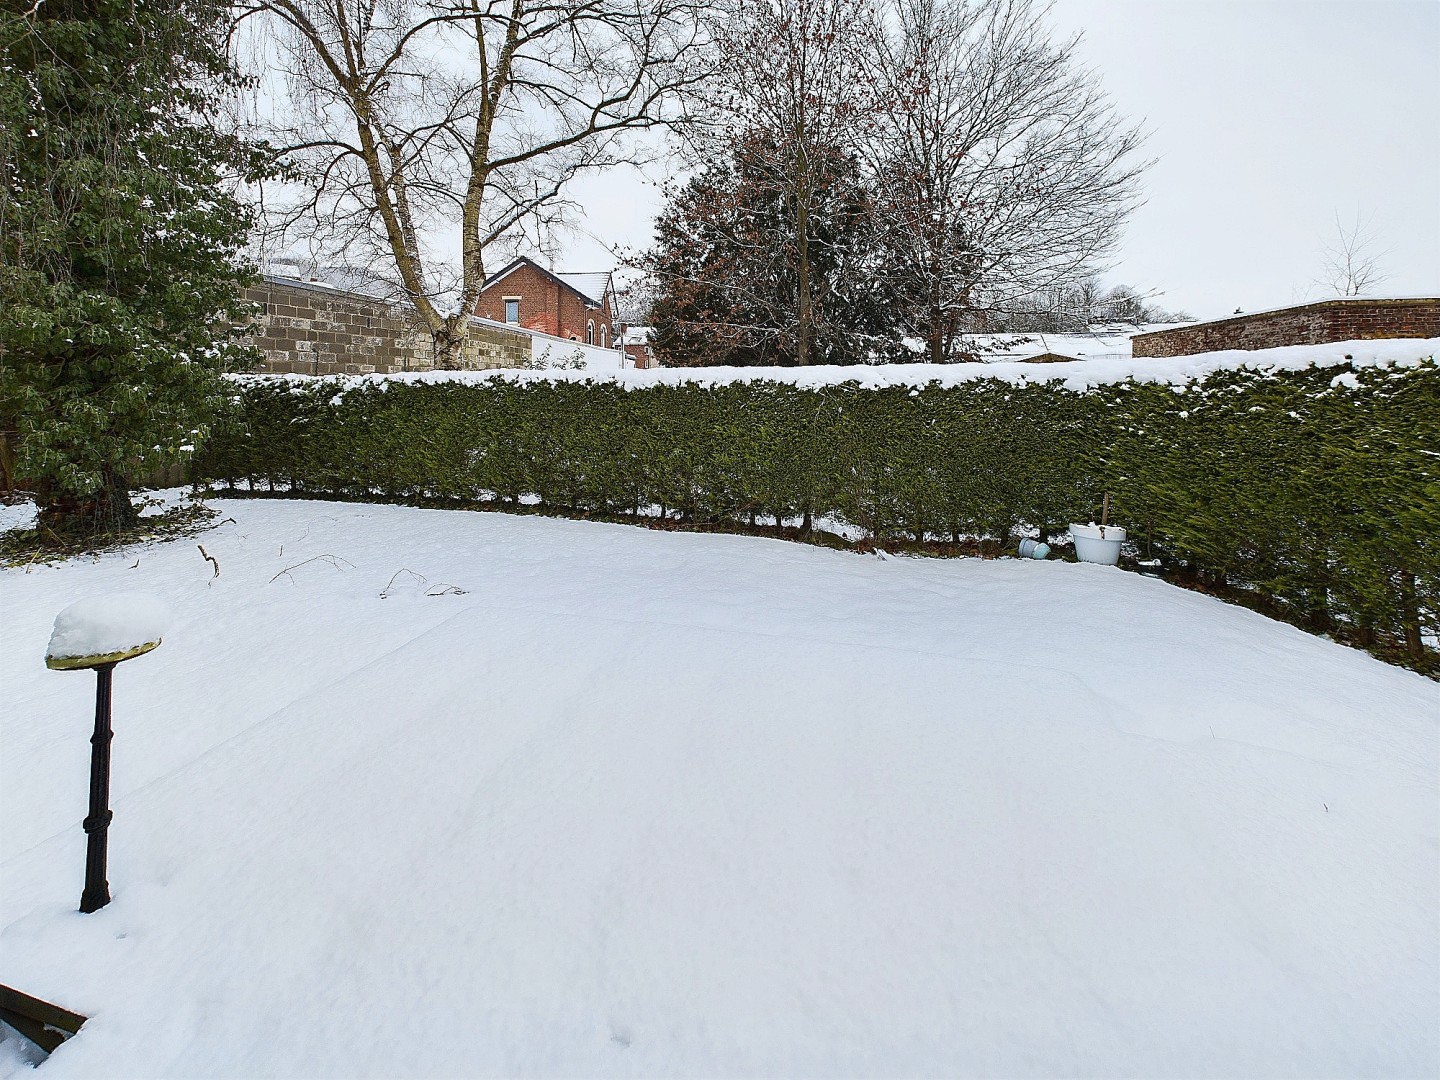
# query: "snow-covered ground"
[[654, 804], [1103, 343]]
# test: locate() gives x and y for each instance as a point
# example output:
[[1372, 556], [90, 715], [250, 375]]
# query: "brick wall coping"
[[1332, 304], [1073, 375], [325, 287]]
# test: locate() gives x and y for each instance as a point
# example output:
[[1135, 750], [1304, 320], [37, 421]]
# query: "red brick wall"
[[640, 355], [1309, 324], [545, 305]]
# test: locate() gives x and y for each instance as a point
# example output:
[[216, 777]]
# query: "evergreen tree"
[[725, 267], [119, 241]]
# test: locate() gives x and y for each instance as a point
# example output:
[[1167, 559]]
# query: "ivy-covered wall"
[[1316, 491]]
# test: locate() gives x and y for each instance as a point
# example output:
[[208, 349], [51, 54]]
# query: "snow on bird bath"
[[106, 629]]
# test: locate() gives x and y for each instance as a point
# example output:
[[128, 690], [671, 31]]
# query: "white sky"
[[1267, 117]]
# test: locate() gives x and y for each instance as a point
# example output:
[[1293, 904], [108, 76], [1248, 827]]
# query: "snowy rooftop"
[[590, 285]]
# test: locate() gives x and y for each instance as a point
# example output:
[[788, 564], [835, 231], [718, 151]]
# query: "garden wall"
[[309, 329], [1308, 324]]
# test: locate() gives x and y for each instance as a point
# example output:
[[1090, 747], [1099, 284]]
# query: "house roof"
[[590, 287], [588, 284]]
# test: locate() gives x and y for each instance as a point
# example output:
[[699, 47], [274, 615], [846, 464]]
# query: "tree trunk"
[[1410, 617], [448, 345], [803, 309], [937, 321], [8, 439], [106, 510]]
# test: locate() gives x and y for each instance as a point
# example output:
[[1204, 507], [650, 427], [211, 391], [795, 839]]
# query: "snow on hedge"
[[103, 625], [1076, 375], [655, 804]]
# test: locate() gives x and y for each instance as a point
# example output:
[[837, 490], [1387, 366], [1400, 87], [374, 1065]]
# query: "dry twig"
[[334, 561], [385, 592]]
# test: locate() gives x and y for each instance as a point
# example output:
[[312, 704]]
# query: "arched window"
[[604, 337], [590, 332]]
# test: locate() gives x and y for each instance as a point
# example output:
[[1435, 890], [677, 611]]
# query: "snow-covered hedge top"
[[105, 625], [1079, 375]]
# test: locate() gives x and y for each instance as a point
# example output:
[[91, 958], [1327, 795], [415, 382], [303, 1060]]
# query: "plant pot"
[[1097, 544], [1032, 549]]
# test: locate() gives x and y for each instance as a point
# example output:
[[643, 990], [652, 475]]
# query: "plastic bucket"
[[1094, 544], [1033, 549]]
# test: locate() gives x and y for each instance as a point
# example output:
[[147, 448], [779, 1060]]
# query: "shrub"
[[1316, 491]]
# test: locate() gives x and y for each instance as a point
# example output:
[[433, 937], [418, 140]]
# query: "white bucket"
[[1097, 544]]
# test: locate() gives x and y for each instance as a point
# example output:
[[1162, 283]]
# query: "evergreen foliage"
[[726, 257], [118, 246], [1318, 491]]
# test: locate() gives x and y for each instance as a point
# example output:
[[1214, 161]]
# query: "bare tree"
[[422, 134], [795, 79], [1001, 166], [1350, 264]]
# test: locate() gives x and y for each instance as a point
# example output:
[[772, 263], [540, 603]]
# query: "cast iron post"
[[97, 822]]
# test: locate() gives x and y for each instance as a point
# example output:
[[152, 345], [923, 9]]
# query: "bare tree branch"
[[420, 134]]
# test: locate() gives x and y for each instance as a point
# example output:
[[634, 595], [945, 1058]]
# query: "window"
[[512, 309], [590, 332], [604, 337]]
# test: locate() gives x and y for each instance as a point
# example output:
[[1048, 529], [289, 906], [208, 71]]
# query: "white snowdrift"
[[651, 804], [102, 625], [1077, 375]]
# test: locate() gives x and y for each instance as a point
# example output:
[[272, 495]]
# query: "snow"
[[1077, 375], [17, 515], [1101, 344], [646, 803], [591, 285], [101, 625], [547, 351]]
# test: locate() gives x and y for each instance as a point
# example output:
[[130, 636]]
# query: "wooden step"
[[44, 1024]]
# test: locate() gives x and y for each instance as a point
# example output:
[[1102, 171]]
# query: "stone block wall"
[[1308, 324], [316, 330]]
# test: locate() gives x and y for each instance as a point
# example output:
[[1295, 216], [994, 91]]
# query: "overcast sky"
[[1267, 118]]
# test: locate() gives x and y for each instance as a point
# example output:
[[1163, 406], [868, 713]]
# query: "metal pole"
[[97, 823]]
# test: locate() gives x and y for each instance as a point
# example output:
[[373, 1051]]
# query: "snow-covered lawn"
[[656, 804]]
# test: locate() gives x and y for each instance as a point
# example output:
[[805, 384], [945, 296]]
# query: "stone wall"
[[316, 330], [1308, 324]]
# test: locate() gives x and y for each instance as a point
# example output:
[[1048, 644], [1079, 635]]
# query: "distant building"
[[1347, 319], [1049, 358], [580, 307], [635, 340]]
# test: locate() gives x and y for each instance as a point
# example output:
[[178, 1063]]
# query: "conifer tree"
[[119, 242], [727, 265]]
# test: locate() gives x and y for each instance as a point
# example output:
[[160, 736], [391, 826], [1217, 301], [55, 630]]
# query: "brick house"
[[635, 340], [580, 307]]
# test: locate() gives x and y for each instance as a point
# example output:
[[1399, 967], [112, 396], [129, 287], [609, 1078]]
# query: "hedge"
[[1317, 490]]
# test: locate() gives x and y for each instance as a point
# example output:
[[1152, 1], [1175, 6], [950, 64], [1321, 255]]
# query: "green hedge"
[[1317, 490]]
